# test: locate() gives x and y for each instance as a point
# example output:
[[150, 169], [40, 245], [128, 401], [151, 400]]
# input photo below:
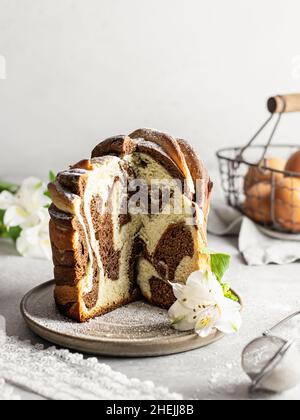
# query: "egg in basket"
[[263, 181]]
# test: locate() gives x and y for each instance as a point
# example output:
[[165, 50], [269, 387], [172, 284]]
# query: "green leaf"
[[39, 185], [14, 232], [2, 226], [219, 265], [52, 176], [228, 293], [234, 327], [7, 186], [219, 262]]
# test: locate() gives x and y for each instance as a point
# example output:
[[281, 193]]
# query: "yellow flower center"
[[205, 322]]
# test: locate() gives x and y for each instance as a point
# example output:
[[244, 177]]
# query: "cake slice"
[[127, 222]]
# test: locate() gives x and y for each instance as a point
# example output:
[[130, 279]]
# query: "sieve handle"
[[284, 103], [268, 332]]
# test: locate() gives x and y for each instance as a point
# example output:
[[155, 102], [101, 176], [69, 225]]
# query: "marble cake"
[[108, 253]]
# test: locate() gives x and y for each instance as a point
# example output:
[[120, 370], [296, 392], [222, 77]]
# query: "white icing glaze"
[[99, 182]]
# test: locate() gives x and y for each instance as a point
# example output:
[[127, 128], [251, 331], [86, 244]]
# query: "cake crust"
[[202, 181], [117, 146]]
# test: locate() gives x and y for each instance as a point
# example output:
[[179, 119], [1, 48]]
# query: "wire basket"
[[255, 180]]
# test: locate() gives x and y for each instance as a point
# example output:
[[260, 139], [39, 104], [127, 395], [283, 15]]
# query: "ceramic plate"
[[136, 330], [280, 235]]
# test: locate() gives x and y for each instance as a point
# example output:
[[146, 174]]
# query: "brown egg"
[[258, 203], [256, 175], [287, 204], [293, 164]]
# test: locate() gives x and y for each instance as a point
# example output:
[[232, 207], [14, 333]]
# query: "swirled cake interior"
[[107, 252]]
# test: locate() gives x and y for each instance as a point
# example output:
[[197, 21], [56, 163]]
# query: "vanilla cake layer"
[[105, 256]]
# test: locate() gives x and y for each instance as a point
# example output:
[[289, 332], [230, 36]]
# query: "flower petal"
[[206, 321], [203, 288], [15, 216], [34, 242], [181, 317], [32, 195], [7, 200], [45, 245], [201, 306], [230, 320], [28, 244], [178, 290], [31, 221], [206, 332]]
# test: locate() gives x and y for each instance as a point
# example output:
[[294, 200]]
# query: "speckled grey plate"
[[136, 330]]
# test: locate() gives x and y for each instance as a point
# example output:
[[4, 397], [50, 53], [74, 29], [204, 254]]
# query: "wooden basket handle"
[[284, 103]]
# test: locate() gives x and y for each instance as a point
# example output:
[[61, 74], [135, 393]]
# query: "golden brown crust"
[[64, 201], [67, 300], [166, 142], [65, 294], [116, 146], [203, 184], [195, 165], [84, 164], [69, 249], [72, 181], [63, 236], [69, 303]]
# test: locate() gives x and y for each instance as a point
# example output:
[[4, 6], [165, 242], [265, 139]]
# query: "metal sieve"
[[263, 355]]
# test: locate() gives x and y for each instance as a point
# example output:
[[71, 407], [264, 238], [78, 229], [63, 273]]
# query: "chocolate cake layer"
[[161, 293], [90, 298], [175, 244]]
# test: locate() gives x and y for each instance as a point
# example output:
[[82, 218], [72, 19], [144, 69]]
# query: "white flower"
[[34, 242], [27, 210], [22, 209], [202, 306]]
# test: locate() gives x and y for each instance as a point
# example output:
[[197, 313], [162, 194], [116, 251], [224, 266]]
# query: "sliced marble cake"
[[127, 222]]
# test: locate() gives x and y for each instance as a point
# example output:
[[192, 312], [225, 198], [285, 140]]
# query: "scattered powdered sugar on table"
[[225, 380]]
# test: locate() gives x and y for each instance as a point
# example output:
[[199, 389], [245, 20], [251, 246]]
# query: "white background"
[[79, 71]]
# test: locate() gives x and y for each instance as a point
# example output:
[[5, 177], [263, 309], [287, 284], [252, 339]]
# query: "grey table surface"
[[269, 293]]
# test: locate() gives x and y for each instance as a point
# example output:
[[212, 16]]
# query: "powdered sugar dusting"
[[138, 320]]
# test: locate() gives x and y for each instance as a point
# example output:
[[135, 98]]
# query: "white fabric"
[[257, 248], [7, 392], [62, 375]]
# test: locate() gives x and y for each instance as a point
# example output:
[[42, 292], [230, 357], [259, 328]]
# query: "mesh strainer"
[[272, 361]]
